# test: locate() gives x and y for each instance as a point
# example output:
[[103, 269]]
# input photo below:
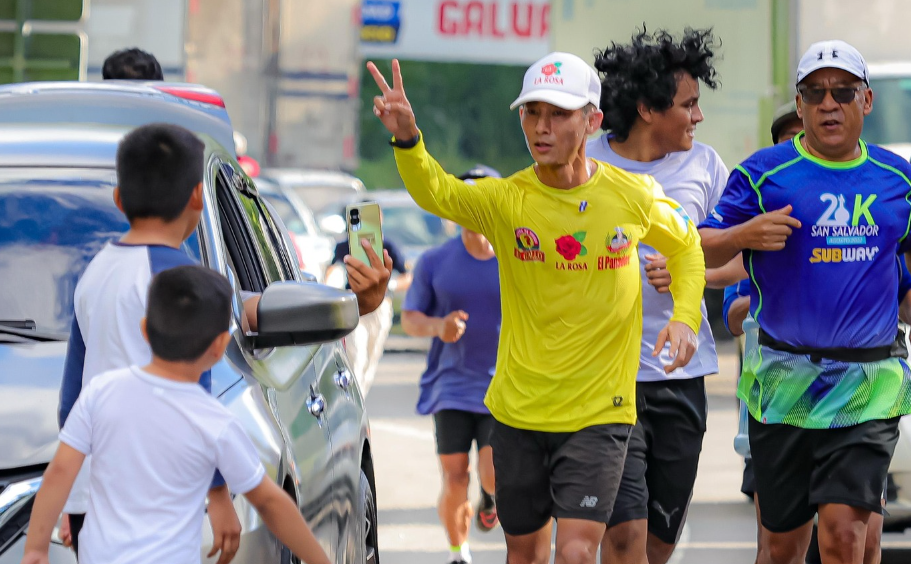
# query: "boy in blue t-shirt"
[[455, 298], [159, 189], [820, 221]]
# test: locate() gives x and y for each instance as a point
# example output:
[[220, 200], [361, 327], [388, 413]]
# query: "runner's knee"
[[528, 549], [626, 537], [576, 551], [659, 551], [842, 540], [455, 478], [783, 549]]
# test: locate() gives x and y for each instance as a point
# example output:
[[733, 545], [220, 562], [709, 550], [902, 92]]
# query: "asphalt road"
[[721, 527]]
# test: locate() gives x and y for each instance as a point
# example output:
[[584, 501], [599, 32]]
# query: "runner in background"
[[455, 299]]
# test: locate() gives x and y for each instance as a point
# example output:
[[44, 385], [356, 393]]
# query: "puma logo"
[[667, 516]]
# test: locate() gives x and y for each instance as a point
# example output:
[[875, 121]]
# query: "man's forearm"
[[687, 270], [731, 273], [417, 324], [719, 246], [737, 314]]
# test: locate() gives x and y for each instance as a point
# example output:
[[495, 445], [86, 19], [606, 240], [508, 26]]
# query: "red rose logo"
[[550, 69], [568, 247]]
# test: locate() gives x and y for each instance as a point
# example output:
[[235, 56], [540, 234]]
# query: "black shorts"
[[799, 469], [456, 430], [663, 456], [748, 485], [570, 475]]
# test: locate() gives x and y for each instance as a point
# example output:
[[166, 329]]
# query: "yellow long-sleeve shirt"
[[569, 281]]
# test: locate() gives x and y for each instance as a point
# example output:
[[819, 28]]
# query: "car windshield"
[[888, 122], [52, 222], [410, 225]]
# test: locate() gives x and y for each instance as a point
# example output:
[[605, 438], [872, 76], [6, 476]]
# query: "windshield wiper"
[[26, 329]]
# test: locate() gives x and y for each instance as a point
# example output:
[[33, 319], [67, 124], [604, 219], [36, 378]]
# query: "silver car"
[[289, 384]]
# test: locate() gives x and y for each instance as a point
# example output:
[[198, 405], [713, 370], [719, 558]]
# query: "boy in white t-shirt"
[[156, 426]]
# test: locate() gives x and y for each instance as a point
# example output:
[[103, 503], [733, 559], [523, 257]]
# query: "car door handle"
[[316, 404], [343, 379]]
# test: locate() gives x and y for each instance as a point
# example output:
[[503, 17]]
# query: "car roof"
[[390, 197], [116, 103], [312, 177], [893, 69], [67, 145]]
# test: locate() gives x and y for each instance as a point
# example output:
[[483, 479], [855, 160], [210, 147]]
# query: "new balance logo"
[[589, 501]]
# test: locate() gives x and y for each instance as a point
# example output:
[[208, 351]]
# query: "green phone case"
[[369, 226]]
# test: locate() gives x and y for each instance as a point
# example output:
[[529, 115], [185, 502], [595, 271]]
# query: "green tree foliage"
[[463, 112]]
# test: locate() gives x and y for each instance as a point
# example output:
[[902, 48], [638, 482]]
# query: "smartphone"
[[364, 222]]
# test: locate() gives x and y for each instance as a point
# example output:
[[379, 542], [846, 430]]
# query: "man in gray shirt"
[[650, 100]]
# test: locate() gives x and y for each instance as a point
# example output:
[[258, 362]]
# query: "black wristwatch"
[[406, 143]]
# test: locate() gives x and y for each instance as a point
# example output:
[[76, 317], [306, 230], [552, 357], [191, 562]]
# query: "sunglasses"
[[841, 94]]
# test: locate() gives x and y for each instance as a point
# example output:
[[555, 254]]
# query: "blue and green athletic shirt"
[[832, 286]]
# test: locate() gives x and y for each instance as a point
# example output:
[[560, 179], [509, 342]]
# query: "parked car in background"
[[290, 385], [888, 124], [413, 229], [319, 189], [314, 248]]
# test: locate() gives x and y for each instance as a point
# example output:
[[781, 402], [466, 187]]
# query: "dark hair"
[[189, 306], [133, 64], [647, 71], [158, 166]]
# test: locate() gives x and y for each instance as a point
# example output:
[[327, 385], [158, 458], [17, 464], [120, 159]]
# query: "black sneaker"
[[486, 518]]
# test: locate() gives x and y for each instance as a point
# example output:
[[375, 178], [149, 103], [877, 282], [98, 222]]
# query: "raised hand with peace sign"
[[392, 107]]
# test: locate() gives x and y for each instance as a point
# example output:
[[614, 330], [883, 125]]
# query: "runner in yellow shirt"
[[566, 230]]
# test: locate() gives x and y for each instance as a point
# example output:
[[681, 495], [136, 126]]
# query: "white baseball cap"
[[561, 79], [833, 54]]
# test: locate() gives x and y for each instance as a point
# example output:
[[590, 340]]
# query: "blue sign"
[[380, 21]]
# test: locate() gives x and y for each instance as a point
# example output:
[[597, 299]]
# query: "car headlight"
[[16, 501]]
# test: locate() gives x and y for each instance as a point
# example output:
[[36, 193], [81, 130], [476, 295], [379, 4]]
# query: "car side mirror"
[[303, 313]]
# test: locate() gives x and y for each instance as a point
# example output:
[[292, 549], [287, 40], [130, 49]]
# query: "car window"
[[250, 235], [278, 238], [52, 223]]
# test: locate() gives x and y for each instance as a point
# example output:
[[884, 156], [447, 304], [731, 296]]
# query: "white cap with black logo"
[[833, 54], [561, 79]]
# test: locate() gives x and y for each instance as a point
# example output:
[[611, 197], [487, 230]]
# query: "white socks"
[[460, 553]]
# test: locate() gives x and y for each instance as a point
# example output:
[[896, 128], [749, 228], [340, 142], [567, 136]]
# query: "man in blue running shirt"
[[823, 388]]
